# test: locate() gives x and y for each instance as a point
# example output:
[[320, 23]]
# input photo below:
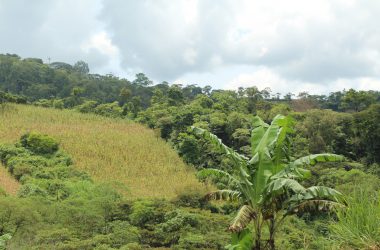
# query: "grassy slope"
[[115, 151], [7, 182]]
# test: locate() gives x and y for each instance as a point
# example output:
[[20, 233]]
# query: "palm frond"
[[259, 129], [291, 171], [278, 185], [236, 157], [281, 143], [204, 173], [225, 194], [313, 206], [315, 198], [281, 187], [242, 219], [323, 192], [311, 160]]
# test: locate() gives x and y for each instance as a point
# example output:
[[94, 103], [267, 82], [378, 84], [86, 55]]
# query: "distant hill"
[[111, 150]]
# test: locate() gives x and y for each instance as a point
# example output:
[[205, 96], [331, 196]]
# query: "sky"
[[289, 46]]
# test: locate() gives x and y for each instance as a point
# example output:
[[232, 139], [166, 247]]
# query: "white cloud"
[[102, 43], [262, 77], [287, 45]]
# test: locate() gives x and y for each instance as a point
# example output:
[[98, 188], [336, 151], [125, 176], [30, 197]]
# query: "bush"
[[109, 109], [27, 159], [191, 198], [2, 192], [198, 241], [3, 240], [123, 233], [28, 190], [54, 236], [142, 213], [87, 107], [131, 246], [8, 151], [38, 143], [44, 103], [21, 170], [58, 104]]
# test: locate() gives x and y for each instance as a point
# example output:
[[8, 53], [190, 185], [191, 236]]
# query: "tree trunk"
[[271, 234], [271, 244], [257, 245]]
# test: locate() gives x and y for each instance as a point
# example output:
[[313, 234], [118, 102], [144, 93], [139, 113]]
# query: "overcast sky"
[[289, 46]]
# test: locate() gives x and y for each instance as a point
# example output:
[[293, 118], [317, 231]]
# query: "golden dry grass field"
[[110, 150], [7, 182]]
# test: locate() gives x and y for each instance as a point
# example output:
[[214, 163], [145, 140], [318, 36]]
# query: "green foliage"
[[109, 109], [241, 240], [198, 241], [7, 97], [87, 107], [39, 143], [367, 126], [191, 198], [142, 213], [122, 233], [3, 240], [94, 217], [357, 226], [81, 67], [267, 184]]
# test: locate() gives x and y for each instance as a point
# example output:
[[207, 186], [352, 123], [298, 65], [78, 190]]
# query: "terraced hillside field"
[[110, 150]]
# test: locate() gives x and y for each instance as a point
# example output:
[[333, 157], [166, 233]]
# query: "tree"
[[207, 90], [288, 96], [125, 94], [61, 66], [357, 100], [367, 127], [81, 67], [175, 95], [254, 95], [266, 185], [142, 80]]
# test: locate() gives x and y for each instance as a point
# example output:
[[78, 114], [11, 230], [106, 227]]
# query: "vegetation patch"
[[118, 152]]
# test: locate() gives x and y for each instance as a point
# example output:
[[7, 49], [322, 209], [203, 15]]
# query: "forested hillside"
[[159, 200]]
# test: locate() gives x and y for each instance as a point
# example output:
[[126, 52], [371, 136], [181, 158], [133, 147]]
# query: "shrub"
[[142, 213], [2, 192], [38, 143], [8, 151], [191, 198], [58, 104], [123, 233], [54, 236], [44, 103], [109, 109], [197, 241], [87, 107], [131, 246], [27, 159], [21, 170], [27, 190], [3, 240]]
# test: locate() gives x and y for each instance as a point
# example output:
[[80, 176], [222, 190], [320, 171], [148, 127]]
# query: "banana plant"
[[268, 185]]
